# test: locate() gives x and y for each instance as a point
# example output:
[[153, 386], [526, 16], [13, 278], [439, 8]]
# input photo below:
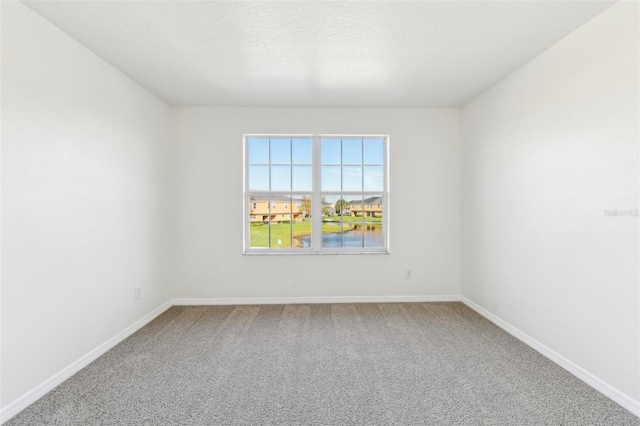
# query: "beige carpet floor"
[[339, 364]]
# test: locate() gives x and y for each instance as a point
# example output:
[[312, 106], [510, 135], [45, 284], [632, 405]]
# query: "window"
[[331, 192]]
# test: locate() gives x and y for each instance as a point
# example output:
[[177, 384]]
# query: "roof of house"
[[370, 200], [274, 198]]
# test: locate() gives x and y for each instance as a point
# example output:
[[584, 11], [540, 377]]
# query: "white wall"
[[424, 202], [83, 204], [544, 154]]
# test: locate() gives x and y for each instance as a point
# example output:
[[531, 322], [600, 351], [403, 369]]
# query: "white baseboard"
[[601, 386], [305, 300], [36, 393]]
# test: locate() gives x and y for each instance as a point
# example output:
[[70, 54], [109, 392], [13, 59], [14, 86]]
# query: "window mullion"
[[291, 194], [269, 198], [341, 194], [246, 231], [316, 198]]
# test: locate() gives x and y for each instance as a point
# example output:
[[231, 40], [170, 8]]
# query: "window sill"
[[313, 253]]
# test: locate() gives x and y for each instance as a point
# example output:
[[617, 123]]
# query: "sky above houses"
[[285, 164]]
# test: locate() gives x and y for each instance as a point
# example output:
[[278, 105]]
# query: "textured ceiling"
[[318, 53]]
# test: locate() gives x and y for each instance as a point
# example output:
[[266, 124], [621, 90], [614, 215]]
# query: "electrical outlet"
[[138, 293], [408, 273]]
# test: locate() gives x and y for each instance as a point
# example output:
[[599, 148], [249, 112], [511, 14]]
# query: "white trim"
[[312, 300], [39, 391], [598, 384]]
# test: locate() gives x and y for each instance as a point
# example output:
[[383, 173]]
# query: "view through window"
[[310, 194]]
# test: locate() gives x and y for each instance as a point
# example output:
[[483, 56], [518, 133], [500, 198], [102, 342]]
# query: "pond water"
[[369, 237]]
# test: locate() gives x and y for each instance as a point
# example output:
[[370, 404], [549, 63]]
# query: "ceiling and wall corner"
[[318, 54]]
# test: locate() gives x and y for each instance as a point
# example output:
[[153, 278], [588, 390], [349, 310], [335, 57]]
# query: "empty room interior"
[[320, 212]]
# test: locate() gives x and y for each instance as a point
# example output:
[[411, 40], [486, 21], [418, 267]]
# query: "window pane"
[[302, 151], [373, 151], [329, 205], [301, 178], [328, 208], [280, 178], [258, 150], [330, 178], [331, 223], [330, 151], [258, 178], [373, 178], [355, 208], [352, 235], [335, 205], [301, 222], [301, 207], [331, 235], [352, 224], [372, 207], [258, 206], [259, 222], [281, 232], [345, 228], [280, 151], [343, 207], [281, 224], [372, 225], [352, 151], [351, 178]]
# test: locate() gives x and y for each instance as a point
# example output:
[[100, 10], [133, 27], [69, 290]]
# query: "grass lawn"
[[284, 231]]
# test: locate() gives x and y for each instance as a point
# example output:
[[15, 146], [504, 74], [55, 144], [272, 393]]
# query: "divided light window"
[[315, 194]]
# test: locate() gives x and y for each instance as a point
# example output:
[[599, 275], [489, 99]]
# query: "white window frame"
[[316, 197]]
